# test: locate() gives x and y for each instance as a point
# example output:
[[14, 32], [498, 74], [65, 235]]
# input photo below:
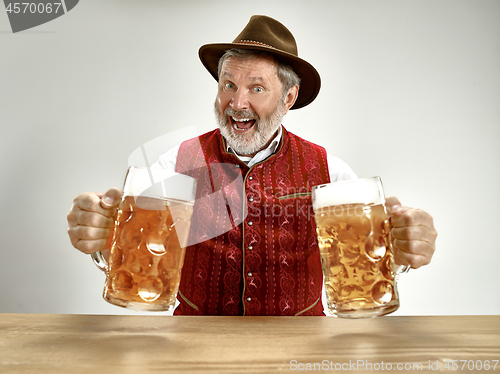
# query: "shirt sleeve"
[[339, 170], [167, 160]]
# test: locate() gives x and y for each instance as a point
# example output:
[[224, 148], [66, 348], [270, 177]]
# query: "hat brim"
[[310, 80]]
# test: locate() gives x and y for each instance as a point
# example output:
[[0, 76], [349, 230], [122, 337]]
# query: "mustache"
[[242, 113]]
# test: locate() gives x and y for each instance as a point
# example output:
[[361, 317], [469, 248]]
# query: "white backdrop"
[[411, 92]]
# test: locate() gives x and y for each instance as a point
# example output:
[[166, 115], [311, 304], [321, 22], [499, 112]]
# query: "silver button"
[[250, 274], [249, 299], [250, 199], [250, 178], [250, 223], [250, 247], [236, 165]]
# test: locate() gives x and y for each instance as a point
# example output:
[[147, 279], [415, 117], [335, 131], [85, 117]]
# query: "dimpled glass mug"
[[149, 239], [356, 252]]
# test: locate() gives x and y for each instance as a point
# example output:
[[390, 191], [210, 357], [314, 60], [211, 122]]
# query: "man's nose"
[[239, 100]]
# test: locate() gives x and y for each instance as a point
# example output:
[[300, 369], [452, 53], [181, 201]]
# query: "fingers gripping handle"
[[98, 257], [400, 269]]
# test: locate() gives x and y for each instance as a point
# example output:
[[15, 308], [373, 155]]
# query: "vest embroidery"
[[253, 247]]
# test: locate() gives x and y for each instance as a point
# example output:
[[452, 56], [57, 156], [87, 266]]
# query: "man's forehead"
[[228, 74], [255, 68]]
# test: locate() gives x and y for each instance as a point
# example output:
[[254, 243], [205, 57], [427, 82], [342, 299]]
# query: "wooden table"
[[71, 344]]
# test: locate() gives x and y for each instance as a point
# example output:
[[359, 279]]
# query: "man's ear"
[[291, 97]]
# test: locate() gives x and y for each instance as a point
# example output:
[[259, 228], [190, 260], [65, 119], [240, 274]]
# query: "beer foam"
[[162, 183], [355, 191]]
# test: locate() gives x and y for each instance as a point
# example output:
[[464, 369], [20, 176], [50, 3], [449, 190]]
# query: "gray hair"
[[287, 76]]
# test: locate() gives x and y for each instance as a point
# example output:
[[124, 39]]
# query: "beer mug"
[[355, 248], [149, 240]]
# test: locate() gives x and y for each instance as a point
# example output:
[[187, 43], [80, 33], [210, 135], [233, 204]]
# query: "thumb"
[[394, 207], [111, 198]]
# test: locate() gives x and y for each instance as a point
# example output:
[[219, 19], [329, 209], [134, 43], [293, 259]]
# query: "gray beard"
[[265, 129]]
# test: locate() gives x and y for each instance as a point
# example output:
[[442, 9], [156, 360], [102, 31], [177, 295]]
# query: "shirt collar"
[[263, 154]]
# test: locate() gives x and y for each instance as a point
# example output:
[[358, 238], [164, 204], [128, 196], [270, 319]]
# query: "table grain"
[[58, 343]]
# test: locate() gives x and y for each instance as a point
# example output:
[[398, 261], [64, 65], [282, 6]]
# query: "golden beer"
[[147, 253], [356, 256], [148, 240]]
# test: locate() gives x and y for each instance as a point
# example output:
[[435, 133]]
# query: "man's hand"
[[413, 234], [91, 218]]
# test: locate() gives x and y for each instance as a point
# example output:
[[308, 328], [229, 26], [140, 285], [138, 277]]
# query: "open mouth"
[[241, 124]]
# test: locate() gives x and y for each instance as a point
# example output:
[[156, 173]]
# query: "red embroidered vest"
[[253, 237]]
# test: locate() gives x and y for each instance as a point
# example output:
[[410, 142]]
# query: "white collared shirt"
[[261, 155]]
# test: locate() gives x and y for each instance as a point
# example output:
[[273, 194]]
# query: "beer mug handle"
[[401, 269], [100, 261], [98, 257]]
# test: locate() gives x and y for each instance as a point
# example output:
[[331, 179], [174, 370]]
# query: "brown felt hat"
[[266, 34]]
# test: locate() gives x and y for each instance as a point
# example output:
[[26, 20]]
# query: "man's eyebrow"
[[229, 75], [226, 74]]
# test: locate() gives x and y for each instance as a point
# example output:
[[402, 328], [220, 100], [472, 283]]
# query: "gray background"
[[411, 92]]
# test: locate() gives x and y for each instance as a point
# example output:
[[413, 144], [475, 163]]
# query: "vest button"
[[250, 274], [250, 199], [236, 165], [250, 223], [250, 247], [249, 299], [250, 178]]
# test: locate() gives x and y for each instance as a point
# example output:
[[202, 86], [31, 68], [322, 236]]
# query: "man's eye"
[[258, 89], [229, 86]]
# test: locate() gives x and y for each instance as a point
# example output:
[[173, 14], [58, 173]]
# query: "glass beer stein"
[[149, 239], [356, 253]]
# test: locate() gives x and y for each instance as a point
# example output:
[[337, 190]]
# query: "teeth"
[[241, 119]]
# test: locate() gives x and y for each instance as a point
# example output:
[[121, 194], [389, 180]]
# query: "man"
[[267, 262]]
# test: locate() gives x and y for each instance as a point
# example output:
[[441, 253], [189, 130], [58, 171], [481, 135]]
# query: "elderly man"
[[266, 263]]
